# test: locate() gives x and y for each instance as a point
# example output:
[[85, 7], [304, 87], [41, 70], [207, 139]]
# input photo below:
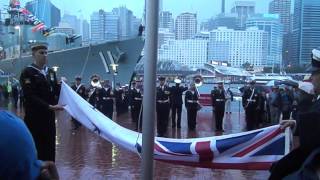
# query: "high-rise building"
[[64, 28], [228, 20], [243, 9], [1, 23], [166, 20], [189, 52], [223, 6], [306, 30], [271, 24], [115, 25], [104, 26], [186, 26], [97, 26], [125, 22], [85, 31], [238, 47], [164, 35], [73, 21], [135, 26], [282, 7], [160, 5], [45, 11], [111, 26]]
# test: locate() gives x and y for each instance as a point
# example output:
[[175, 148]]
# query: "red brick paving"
[[84, 155]]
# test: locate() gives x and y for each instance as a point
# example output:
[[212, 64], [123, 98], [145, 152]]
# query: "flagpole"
[[149, 83]]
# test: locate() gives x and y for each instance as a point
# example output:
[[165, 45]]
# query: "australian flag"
[[253, 150]]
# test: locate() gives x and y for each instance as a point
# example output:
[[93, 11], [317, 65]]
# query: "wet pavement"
[[85, 155]]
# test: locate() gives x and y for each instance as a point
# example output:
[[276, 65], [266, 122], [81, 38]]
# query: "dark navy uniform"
[[80, 89], [95, 97], [176, 104], [250, 102], [40, 89], [119, 98], [163, 109], [191, 103], [218, 99], [107, 102], [136, 102]]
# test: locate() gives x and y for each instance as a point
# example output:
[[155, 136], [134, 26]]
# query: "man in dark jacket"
[[162, 106], [107, 100], [308, 129], [250, 103], [176, 103], [218, 98], [192, 103], [136, 102], [40, 89]]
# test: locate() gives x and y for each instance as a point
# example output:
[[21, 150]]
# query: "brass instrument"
[[95, 83], [198, 80]]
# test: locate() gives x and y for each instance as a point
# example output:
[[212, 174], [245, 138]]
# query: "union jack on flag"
[[254, 150]]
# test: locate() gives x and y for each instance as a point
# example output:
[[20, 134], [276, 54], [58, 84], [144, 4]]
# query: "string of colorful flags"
[[38, 25]]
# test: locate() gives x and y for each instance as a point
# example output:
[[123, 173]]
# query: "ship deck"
[[85, 155]]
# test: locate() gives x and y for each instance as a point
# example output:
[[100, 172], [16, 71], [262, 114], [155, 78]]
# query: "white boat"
[[265, 78]]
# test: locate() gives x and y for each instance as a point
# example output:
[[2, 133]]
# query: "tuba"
[[198, 80]]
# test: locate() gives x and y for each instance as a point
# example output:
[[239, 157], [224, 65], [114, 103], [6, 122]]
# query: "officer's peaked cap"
[[315, 61], [38, 45], [162, 78]]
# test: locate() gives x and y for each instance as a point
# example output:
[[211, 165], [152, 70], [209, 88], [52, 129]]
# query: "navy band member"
[[119, 99], [40, 89], [95, 94], [250, 103], [176, 103], [218, 98], [107, 99], [79, 87], [162, 106], [309, 125], [192, 103], [136, 102]]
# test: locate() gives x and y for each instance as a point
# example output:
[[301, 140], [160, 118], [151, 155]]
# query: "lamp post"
[[115, 72], [20, 45]]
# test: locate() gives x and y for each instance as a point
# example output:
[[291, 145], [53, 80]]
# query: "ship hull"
[[85, 61]]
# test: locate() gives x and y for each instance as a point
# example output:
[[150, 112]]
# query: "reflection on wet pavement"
[[85, 155]]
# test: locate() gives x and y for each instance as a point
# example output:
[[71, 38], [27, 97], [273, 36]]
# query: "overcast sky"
[[204, 8]]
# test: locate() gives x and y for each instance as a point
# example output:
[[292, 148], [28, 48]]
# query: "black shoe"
[[179, 127]]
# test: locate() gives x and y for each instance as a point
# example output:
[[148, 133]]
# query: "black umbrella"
[[292, 83], [259, 88]]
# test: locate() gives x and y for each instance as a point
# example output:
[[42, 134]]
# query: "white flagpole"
[[149, 82]]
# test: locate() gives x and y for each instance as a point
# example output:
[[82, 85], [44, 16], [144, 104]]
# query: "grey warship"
[[112, 60]]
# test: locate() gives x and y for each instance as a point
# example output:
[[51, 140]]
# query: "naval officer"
[[162, 106], [40, 88]]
